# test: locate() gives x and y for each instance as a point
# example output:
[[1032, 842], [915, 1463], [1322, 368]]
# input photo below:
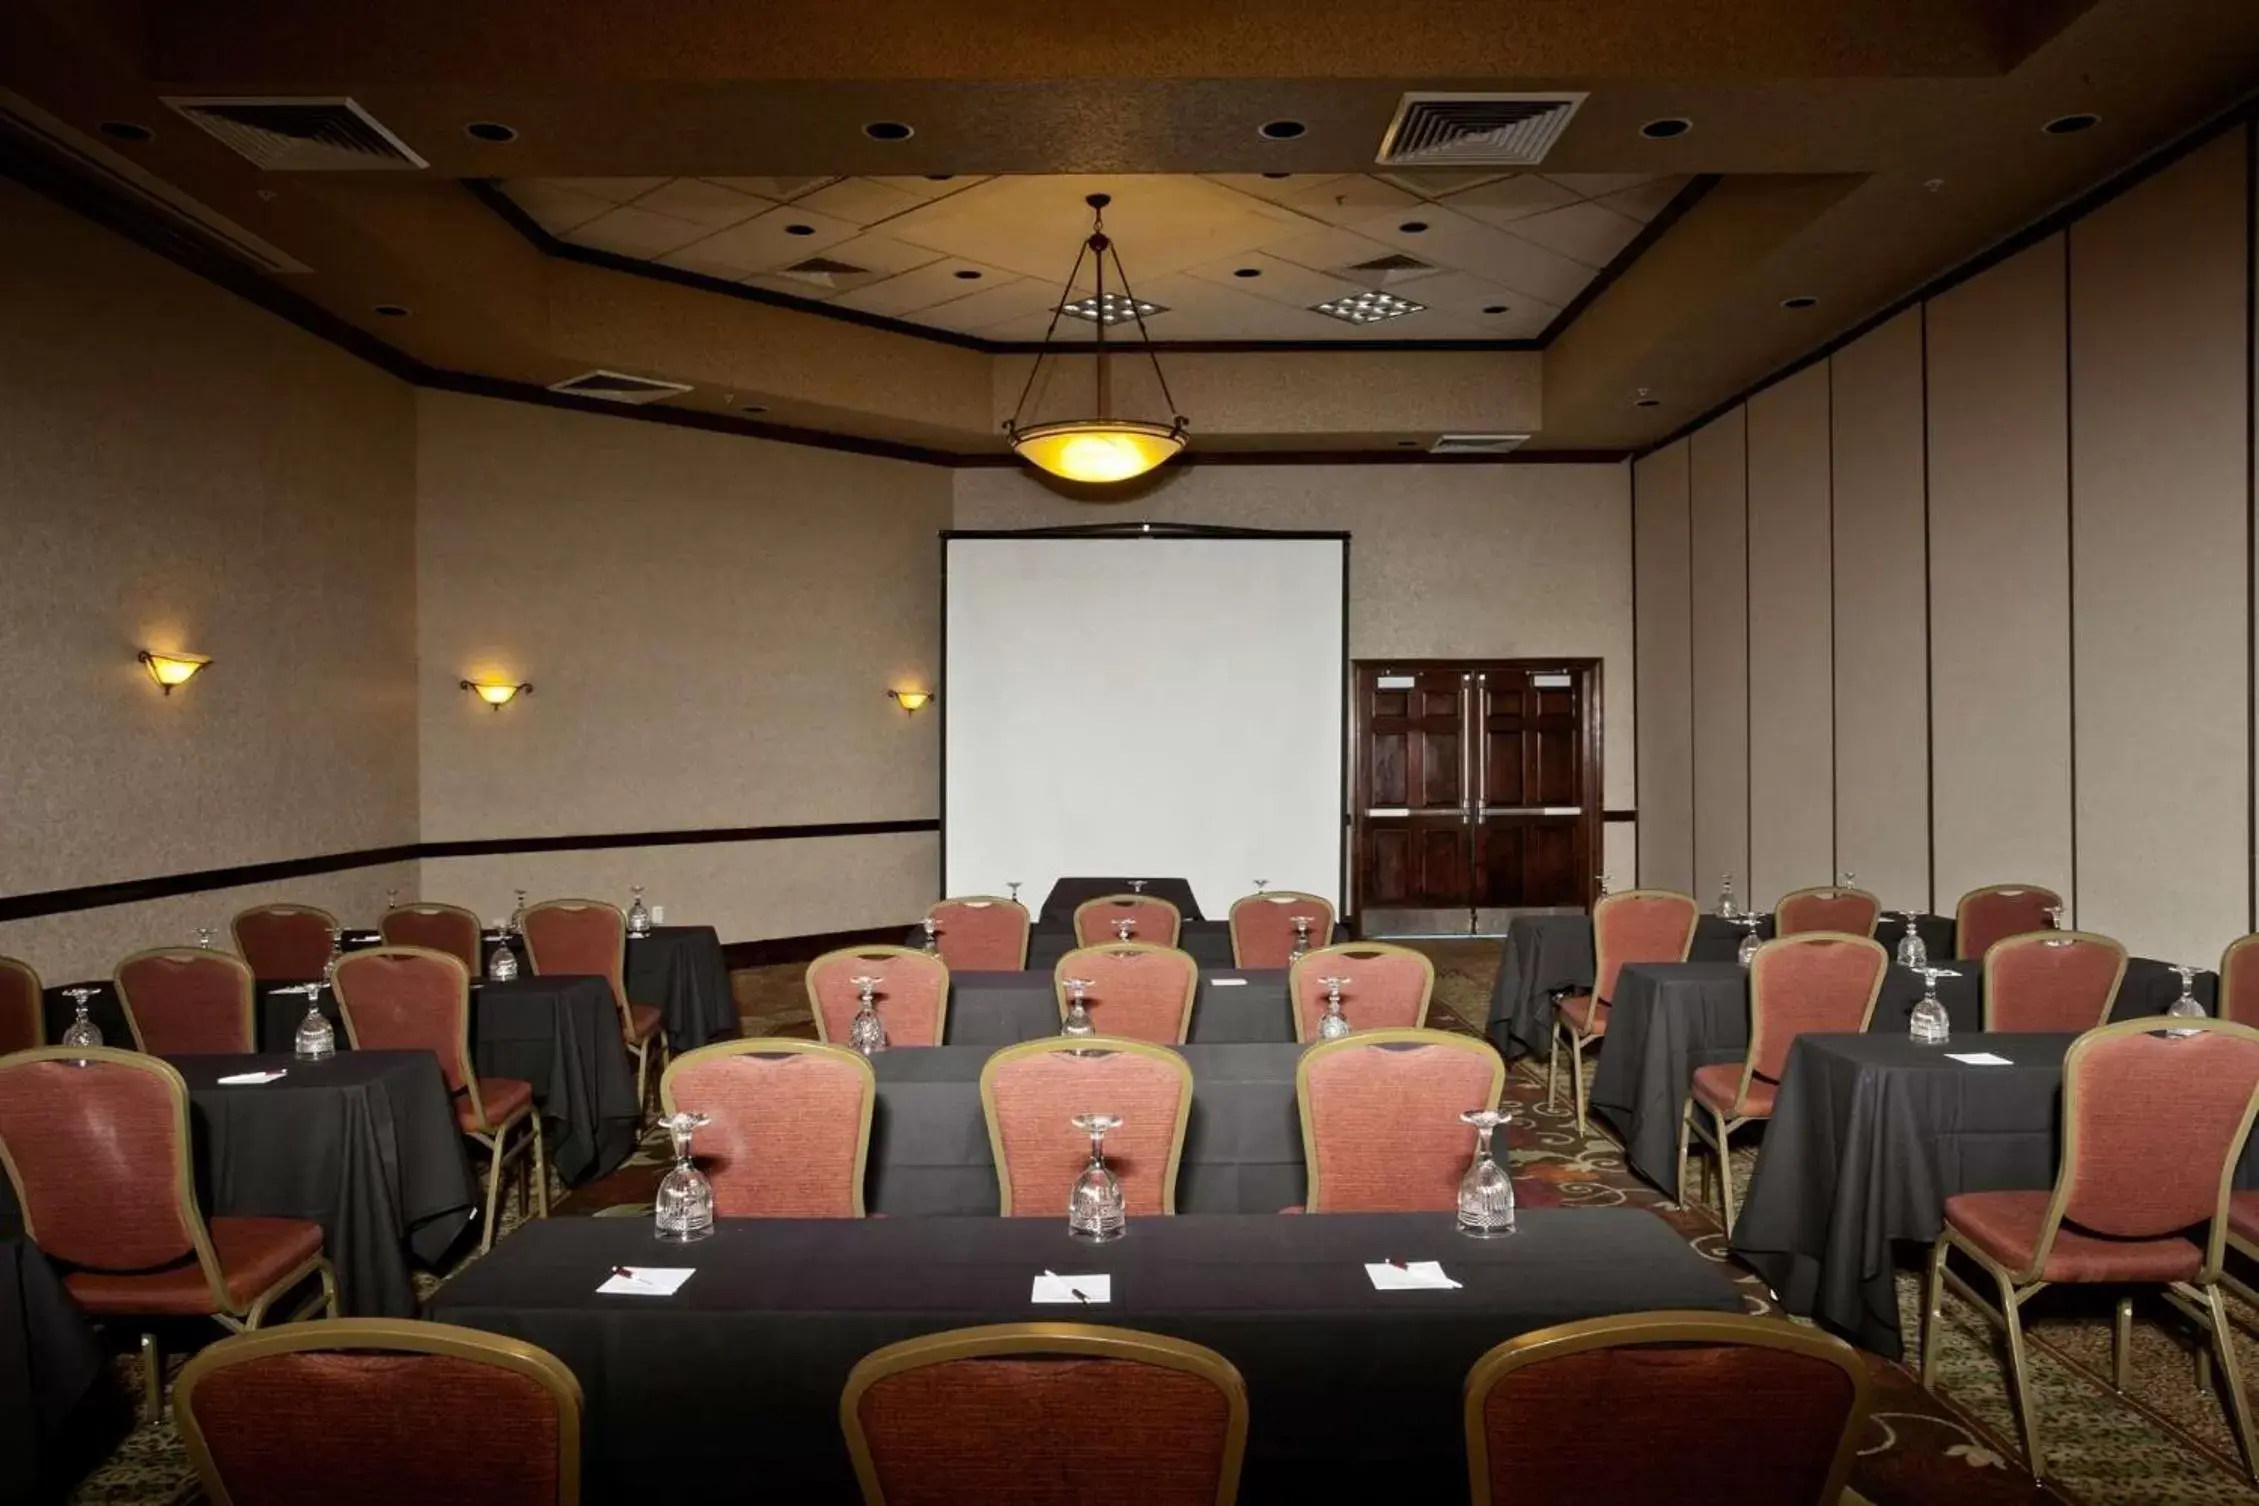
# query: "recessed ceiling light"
[[799, 230], [1247, 272], [888, 130], [939, 177], [2071, 125], [1110, 309], [1497, 308], [1666, 128], [126, 130], [967, 273], [1414, 227], [390, 311], [753, 408], [1367, 308], [1278, 175], [1647, 402], [1800, 301], [490, 130], [1280, 130], [1407, 444]]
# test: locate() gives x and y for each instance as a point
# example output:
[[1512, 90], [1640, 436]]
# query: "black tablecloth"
[[1209, 942], [60, 1409], [1353, 1392], [1869, 1136], [1234, 1006], [1059, 904], [680, 969]]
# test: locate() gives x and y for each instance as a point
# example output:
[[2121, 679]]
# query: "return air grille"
[[619, 387], [1476, 130], [1477, 444], [299, 135]]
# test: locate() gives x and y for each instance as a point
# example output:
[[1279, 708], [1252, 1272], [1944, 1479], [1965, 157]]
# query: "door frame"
[[1587, 669]]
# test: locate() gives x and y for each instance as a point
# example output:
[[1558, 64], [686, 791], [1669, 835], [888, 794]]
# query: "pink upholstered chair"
[[1984, 916], [1637, 925], [1030, 1094], [187, 1001], [1388, 989], [285, 943], [912, 996], [987, 1415], [1380, 1118], [2153, 1126], [1848, 912], [1702, 1408], [1137, 991], [1262, 927], [97, 1144], [1152, 919], [2051, 980], [588, 938], [416, 999], [790, 1124], [22, 1007], [1821, 982], [2239, 981], [980, 933], [379, 1411], [439, 928]]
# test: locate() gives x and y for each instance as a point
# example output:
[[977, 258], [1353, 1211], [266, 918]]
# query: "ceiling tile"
[[880, 253], [766, 242], [993, 302], [1436, 183], [932, 185], [923, 287], [1350, 198], [610, 190], [1281, 281], [1581, 232], [1646, 201], [702, 203], [864, 201], [1511, 198], [1328, 250], [1461, 244], [553, 208], [1593, 185], [1275, 188], [1034, 225], [1464, 296], [771, 188], [635, 232]]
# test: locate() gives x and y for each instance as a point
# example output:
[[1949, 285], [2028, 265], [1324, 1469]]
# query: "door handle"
[[1466, 747], [1482, 752]]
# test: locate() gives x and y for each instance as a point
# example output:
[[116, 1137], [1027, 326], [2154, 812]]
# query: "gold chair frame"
[[882, 949], [1359, 1040], [980, 901], [1563, 1031], [249, 1002], [33, 993], [1088, 1045], [1961, 910], [433, 907], [1325, 956], [2055, 939], [1176, 916], [1066, 968], [1323, 930], [772, 1045], [641, 1050], [1832, 891], [2224, 1009]]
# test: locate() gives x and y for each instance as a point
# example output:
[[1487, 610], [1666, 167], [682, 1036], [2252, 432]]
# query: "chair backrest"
[[1848, 912], [366, 1411], [1262, 926], [22, 1007], [187, 1001], [1030, 1094], [981, 933], [285, 943], [1380, 1118], [1819, 981], [1984, 916], [791, 1124], [2051, 980], [990, 1414], [2153, 1126], [1154, 919], [1138, 991], [579, 938], [411, 998], [440, 928], [1388, 989], [912, 996], [2239, 981], [1711, 1407], [99, 1156], [1639, 925]]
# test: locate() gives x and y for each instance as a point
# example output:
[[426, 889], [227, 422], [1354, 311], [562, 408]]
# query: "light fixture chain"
[[1057, 313], [1144, 335]]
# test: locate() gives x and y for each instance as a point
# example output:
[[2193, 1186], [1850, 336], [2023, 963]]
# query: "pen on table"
[[626, 1273], [1400, 1265]]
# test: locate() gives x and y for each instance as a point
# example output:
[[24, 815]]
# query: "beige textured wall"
[[1718, 570], [1661, 500], [181, 470]]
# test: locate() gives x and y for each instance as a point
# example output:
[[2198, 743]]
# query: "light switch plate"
[[658, 915]]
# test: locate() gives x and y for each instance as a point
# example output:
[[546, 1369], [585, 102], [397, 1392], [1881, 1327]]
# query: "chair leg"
[[642, 1061], [1552, 1065], [1686, 1134], [540, 1167], [2239, 1407], [152, 1379], [2121, 1343], [493, 1188], [1576, 1066], [1725, 1172], [2019, 1369], [1931, 1301], [329, 1289]]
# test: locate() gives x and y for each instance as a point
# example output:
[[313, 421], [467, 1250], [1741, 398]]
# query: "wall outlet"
[[658, 915]]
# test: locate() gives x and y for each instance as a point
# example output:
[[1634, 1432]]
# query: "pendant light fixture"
[[1101, 447]]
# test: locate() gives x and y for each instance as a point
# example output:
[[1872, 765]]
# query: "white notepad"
[[1412, 1276], [646, 1280], [253, 1079], [1227, 982], [1979, 1059], [1074, 1291]]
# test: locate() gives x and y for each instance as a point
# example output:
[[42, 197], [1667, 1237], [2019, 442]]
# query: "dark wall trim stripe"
[[1619, 816], [1398, 456], [166, 886]]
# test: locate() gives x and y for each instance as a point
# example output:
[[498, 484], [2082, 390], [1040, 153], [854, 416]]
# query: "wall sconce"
[[169, 670], [496, 693], [911, 701]]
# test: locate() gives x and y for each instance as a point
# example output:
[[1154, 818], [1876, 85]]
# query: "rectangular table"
[[680, 969], [1209, 942], [1353, 1394], [1058, 906], [1233, 1006]]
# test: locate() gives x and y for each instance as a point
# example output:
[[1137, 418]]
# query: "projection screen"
[[1144, 705]]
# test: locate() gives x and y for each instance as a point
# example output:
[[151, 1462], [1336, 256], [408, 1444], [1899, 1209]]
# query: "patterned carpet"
[[2162, 1443]]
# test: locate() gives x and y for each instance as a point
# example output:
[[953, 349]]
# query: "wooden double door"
[[1477, 792]]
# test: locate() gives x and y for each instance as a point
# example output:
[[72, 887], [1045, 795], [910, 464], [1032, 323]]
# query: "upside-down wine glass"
[[1750, 940], [1333, 1024], [867, 1033], [502, 962], [1603, 886], [1014, 886], [1261, 885], [336, 950], [517, 925], [1077, 1022], [639, 914], [1929, 1024], [1137, 886], [81, 1031], [933, 936], [2054, 914], [1123, 928], [1913, 952], [391, 900], [1847, 880], [1094, 1209], [684, 1212], [316, 1040], [2186, 1007], [1726, 908], [1486, 1192], [1301, 947], [204, 937]]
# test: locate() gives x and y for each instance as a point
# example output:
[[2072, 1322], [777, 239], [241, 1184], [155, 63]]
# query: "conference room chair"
[[2239, 981], [2051, 980], [1262, 926], [1700, 1409], [2153, 1126], [588, 938], [22, 1007], [378, 1411], [439, 928], [285, 943], [788, 1130], [1383, 987], [1138, 991], [1380, 1111], [1821, 982], [1848, 912], [416, 999], [1045, 1413], [96, 1142], [981, 933], [1635, 925], [1030, 1094], [186, 1001], [911, 999], [1984, 916], [1151, 919]]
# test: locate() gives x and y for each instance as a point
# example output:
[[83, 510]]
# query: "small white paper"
[[253, 1079], [1413, 1276], [1980, 1059], [1074, 1291], [646, 1280], [1227, 982]]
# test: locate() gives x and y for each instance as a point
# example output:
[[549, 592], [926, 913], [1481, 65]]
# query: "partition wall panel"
[[1665, 682], [1718, 574], [1881, 618], [1791, 661], [2159, 609]]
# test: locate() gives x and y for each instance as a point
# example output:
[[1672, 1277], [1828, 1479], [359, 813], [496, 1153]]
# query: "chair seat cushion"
[[2243, 1216], [1585, 1016], [643, 1021], [502, 1097], [2005, 1225], [1715, 1086], [254, 1254]]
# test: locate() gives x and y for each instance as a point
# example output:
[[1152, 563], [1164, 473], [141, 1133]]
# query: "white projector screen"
[[1144, 705]]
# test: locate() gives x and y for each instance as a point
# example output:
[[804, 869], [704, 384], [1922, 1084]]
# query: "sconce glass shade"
[[1103, 449], [911, 701], [496, 693], [169, 670]]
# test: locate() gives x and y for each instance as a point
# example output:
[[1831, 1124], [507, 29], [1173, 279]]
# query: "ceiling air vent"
[[299, 135], [1386, 271], [827, 272], [1476, 130], [619, 387], [1477, 444]]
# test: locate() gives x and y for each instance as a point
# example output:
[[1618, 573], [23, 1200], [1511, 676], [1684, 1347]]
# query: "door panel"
[[1412, 817]]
